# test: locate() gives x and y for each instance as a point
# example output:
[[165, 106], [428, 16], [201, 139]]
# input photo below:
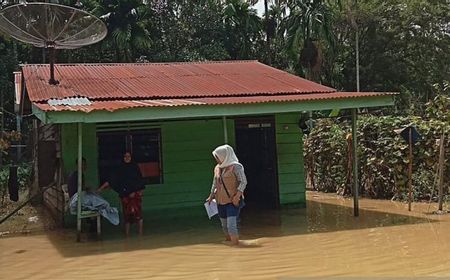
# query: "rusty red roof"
[[164, 81], [111, 87], [113, 105]]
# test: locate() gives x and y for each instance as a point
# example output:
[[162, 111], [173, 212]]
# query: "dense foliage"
[[23, 175], [404, 47], [383, 154]]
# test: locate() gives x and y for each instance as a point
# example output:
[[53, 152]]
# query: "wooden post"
[[348, 176], [357, 58], [354, 127], [355, 164], [80, 179], [2, 123], [225, 130], [34, 154], [441, 170], [410, 169]]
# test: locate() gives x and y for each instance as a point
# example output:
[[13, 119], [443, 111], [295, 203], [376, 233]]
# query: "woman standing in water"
[[129, 185], [228, 188]]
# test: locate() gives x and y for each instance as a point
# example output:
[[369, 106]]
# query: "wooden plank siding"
[[47, 168], [186, 155], [187, 160], [53, 199], [291, 178]]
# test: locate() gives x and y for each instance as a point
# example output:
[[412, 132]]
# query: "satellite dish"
[[52, 26]]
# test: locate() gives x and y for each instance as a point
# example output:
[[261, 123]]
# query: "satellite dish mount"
[[52, 59]]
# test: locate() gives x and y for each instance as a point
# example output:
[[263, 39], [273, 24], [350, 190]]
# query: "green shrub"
[[24, 172], [382, 154]]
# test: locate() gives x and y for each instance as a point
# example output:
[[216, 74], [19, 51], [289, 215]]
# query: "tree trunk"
[[268, 39]]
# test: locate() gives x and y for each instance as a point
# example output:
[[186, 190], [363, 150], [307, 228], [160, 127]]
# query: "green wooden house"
[[171, 116]]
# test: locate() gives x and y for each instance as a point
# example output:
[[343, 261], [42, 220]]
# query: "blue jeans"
[[229, 217]]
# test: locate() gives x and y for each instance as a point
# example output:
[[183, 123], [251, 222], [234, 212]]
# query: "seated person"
[[72, 185], [90, 200]]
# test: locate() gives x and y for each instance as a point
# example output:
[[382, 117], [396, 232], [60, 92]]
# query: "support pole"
[[51, 54], [225, 130], [355, 164], [357, 59], [2, 123], [33, 196], [354, 127], [79, 179], [441, 169], [34, 154], [19, 130], [410, 166]]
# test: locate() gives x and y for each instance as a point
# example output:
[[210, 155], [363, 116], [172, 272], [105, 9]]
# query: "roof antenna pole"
[[51, 54]]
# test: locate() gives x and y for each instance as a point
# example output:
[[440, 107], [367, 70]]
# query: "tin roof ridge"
[[160, 97], [146, 63]]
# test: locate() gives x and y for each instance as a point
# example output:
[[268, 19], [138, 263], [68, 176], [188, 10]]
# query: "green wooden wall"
[[188, 162], [69, 143], [291, 176], [186, 155]]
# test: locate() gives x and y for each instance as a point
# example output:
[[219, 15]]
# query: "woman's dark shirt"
[[128, 179]]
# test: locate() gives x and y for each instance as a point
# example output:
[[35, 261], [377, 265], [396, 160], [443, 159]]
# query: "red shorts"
[[132, 208]]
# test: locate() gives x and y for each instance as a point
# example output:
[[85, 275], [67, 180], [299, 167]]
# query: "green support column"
[[80, 181], [355, 164], [225, 130]]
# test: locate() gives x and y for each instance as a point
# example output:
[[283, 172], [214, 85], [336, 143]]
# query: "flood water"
[[324, 240]]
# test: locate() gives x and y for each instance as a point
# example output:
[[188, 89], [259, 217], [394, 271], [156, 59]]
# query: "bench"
[[85, 214]]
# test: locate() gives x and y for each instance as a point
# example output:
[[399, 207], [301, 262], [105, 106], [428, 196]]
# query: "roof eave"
[[209, 111]]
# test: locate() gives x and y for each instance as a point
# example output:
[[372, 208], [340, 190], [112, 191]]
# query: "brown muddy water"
[[324, 240]]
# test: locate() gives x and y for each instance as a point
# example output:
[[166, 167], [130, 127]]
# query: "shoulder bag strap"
[[225, 187]]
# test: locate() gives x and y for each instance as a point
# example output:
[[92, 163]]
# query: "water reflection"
[[182, 227]]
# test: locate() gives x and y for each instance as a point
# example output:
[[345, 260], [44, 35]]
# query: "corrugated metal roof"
[[71, 101], [164, 81], [113, 105]]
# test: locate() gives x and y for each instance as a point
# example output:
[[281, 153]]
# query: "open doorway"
[[256, 150]]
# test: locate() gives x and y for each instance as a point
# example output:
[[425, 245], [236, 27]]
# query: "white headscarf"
[[226, 155]]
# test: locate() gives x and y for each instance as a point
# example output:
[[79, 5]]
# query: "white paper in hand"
[[211, 208]]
